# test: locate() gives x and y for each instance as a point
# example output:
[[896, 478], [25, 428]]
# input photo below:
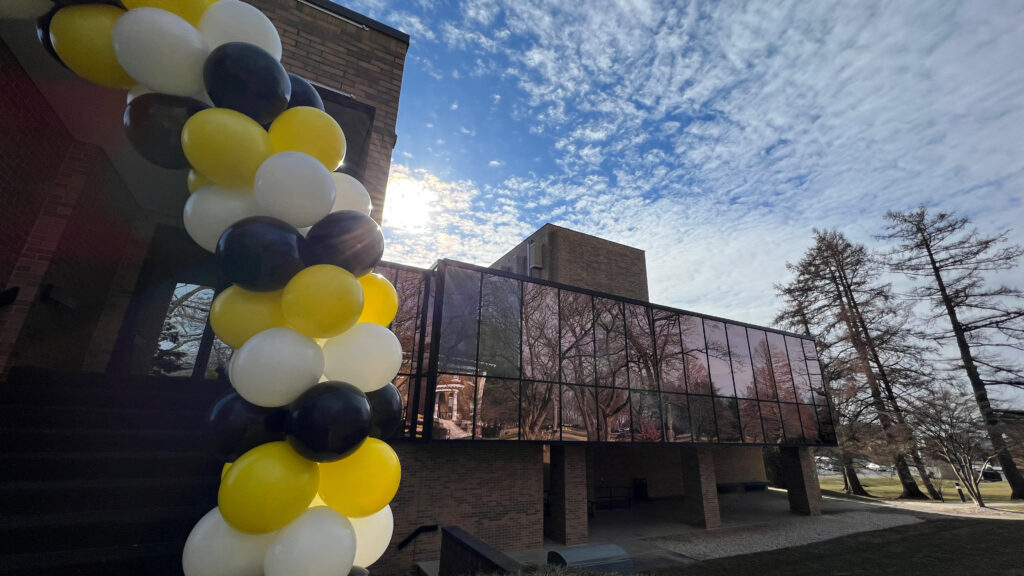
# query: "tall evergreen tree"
[[839, 293], [951, 258]]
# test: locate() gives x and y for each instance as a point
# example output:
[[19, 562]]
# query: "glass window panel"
[[459, 321], [718, 358], [406, 325], [610, 335], [739, 354], [579, 413], [670, 351], [404, 385], [497, 417], [577, 325], [454, 403], [220, 356], [540, 332], [809, 351], [675, 409], [702, 417], [613, 415], [641, 348], [791, 423], [771, 421], [646, 408], [182, 330], [750, 422], [500, 326], [764, 379], [698, 379], [728, 420], [809, 422], [539, 411], [780, 367], [826, 430], [801, 379]]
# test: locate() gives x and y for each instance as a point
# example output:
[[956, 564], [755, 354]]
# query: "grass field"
[[889, 487]]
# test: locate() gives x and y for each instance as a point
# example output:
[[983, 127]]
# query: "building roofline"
[[357, 18], [556, 226]]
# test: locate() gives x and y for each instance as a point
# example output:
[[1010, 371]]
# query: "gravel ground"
[[781, 533]]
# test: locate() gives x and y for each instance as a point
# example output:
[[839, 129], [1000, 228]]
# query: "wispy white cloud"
[[496, 163]]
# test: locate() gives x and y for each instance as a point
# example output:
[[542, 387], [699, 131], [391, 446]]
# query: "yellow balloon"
[[380, 300], [362, 483], [310, 130], [224, 469], [196, 181], [322, 301], [226, 146], [83, 38], [191, 10], [238, 314], [266, 488]]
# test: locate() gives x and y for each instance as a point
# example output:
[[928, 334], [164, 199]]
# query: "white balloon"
[[368, 356], [233, 21], [320, 542], [373, 534], [275, 366], [19, 9], [294, 187], [214, 548], [211, 209], [161, 50], [350, 194]]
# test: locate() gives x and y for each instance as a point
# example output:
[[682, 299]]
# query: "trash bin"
[[640, 488]]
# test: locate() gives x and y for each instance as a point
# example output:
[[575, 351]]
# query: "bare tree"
[[951, 259], [950, 426], [837, 290]]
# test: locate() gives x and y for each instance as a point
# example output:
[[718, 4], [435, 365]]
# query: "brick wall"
[[492, 490], [342, 56], [738, 464], [611, 465]]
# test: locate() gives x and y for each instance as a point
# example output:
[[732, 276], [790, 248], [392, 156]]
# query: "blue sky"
[[713, 135]]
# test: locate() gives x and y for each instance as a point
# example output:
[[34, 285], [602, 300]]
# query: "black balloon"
[[358, 571], [346, 238], [153, 123], [385, 411], [238, 426], [260, 253], [329, 421], [244, 77], [303, 93], [43, 33]]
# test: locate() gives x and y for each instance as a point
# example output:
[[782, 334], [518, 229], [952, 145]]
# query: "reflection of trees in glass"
[[610, 335], [579, 413], [780, 367], [675, 409], [702, 417], [461, 309], [540, 332], [577, 337], [801, 378], [750, 422], [500, 349], [182, 330], [641, 348], [809, 422], [742, 368], [772, 422], [539, 403], [718, 358], [791, 423], [646, 417], [497, 415], [670, 351], [409, 286], [613, 415], [728, 420], [764, 377], [698, 379]]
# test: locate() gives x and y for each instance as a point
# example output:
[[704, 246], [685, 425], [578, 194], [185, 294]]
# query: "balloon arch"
[[307, 479]]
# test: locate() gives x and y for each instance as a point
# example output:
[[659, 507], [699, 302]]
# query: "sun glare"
[[409, 203]]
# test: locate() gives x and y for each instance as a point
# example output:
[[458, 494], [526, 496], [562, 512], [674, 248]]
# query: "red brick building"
[[535, 390]]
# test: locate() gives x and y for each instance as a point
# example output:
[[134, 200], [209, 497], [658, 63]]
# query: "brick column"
[[801, 480], [700, 490], [568, 495]]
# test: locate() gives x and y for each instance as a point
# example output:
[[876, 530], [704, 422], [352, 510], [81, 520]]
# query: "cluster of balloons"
[[308, 478]]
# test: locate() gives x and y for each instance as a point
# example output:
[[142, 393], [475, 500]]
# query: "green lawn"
[[889, 487]]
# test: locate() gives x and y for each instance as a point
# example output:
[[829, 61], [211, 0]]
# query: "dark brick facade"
[[578, 259]]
